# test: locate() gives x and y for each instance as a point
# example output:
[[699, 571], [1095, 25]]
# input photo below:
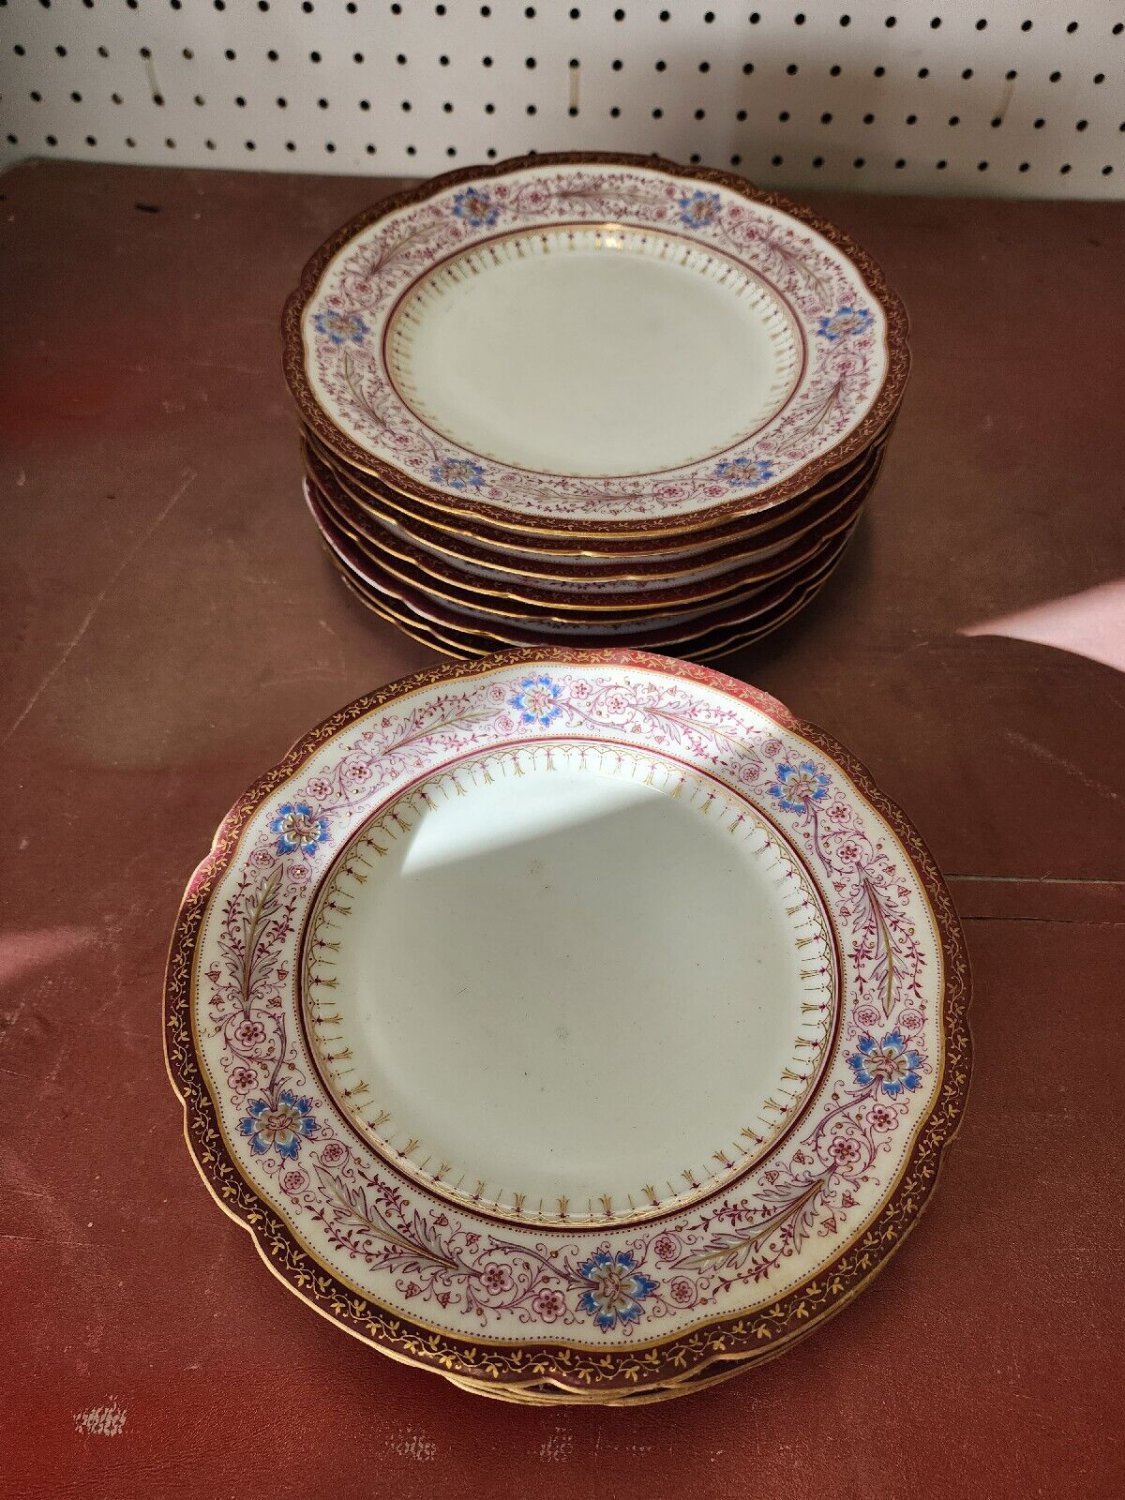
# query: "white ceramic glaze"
[[593, 350], [533, 909]]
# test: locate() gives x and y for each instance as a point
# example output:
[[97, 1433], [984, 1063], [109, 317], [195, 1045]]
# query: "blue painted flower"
[[699, 208], [298, 827], [457, 473], [890, 1064], [745, 471], [798, 787], [537, 700], [281, 1126], [476, 207], [843, 322], [615, 1288], [341, 327]]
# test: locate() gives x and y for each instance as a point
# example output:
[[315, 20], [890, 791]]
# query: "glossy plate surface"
[[569, 1022], [594, 343]]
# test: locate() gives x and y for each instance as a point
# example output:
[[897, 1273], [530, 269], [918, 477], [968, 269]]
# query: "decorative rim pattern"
[[581, 596], [626, 553], [741, 484], [446, 641], [475, 617], [624, 1364]]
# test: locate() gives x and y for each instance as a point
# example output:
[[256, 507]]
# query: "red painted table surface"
[[170, 626]]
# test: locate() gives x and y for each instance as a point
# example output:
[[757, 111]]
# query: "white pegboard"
[[1020, 98]]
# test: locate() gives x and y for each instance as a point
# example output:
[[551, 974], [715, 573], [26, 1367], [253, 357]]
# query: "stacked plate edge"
[[597, 399]]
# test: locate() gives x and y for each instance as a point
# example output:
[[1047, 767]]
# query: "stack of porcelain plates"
[[599, 399]]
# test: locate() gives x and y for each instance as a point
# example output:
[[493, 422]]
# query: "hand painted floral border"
[[612, 1287], [841, 408]]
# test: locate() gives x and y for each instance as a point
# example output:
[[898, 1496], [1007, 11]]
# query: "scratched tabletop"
[[169, 627]]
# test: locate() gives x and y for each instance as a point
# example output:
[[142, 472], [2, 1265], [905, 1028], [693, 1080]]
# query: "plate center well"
[[593, 350], [569, 981]]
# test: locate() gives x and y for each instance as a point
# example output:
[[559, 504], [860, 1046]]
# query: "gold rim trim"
[[879, 413], [752, 1337], [423, 602], [726, 638], [730, 581], [714, 543]]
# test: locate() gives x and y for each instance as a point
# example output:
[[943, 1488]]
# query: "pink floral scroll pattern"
[[416, 1248], [843, 337], [715, 1347]]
